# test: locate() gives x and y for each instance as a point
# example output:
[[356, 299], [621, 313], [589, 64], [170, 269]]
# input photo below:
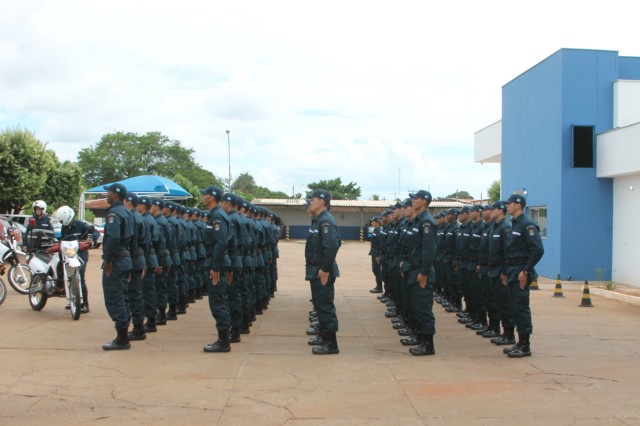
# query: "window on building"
[[582, 146], [539, 216]]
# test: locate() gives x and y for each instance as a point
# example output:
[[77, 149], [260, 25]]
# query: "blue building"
[[553, 116]]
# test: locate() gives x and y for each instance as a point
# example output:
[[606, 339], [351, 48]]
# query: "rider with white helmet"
[[43, 221], [83, 231]]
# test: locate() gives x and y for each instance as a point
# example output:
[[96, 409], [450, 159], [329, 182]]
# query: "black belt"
[[139, 252], [121, 253], [313, 263], [517, 261]]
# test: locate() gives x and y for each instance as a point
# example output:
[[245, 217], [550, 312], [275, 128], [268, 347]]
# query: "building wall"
[[531, 147], [299, 221], [626, 241], [626, 107], [571, 87]]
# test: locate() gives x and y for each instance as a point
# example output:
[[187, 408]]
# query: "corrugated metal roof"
[[369, 204]]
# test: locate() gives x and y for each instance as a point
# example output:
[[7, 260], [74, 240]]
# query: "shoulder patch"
[[426, 227], [531, 229], [111, 218], [325, 228], [216, 224]]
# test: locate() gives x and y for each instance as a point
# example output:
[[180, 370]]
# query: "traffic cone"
[[586, 296], [558, 290], [534, 285]]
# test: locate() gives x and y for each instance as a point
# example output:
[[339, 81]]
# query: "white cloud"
[[309, 91]]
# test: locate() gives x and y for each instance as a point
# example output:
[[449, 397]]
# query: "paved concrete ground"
[[585, 368]]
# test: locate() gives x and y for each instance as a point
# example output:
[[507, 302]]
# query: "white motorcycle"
[[18, 274], [56, 270]]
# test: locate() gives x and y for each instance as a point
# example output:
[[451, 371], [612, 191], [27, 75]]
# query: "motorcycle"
[[3, 288], [56, 273], [19, 274]]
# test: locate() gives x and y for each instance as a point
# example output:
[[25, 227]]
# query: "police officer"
[[139, 247], [322, 270], [42, 220], [153, 266], [216, 246], [175, 272], [235, 246], [524, 250], [117, 265], [373, 252], [165, 260]]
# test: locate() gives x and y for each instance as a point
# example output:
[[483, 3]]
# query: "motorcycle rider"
[[66, 215], [42, 220]]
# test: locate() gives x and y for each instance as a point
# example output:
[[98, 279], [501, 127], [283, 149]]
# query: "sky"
[[384, 94]]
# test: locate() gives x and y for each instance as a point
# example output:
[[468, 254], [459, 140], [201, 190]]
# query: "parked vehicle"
[[3, 288], [12, 256], [23, 219]]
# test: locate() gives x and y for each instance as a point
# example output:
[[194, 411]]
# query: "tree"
[[26, 163], [194, 190], [494, 191], [245, 186], [123, 155], [338, 191], [459, 195], [375, 197], [63, 187]]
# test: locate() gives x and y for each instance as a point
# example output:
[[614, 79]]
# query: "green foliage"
[[26, 163], [89, 216], [599, 274], [194, 190], [123, 155], [610, 285], [245, 186], [494, 191], [338, 190], [375, 197], [459, 195], [64, 185]]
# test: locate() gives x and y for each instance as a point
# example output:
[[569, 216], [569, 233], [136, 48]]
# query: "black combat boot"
[[246, 323], [425, 347], [121, 342], [161, 318], [234, 336], [507, 338], [410, 341], [329, 345], [84, 308], [317, 340], [493, 330], [192, 296], [137, 333], [198, 295], [181, 307], [220, 345], [171, 315], [150, 326], [523, 348]]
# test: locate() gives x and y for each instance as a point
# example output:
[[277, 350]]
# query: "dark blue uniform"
[[116, 246], [216, 238], [320, 253]]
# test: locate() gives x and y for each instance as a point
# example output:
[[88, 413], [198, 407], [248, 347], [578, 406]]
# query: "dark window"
[[582, 153]]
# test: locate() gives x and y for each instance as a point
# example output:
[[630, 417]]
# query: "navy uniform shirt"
[[216, 238], [483, 248], [140, 245], [165, 241], [323, 243], [497, 247], [118, 232], [450, 243], [153, 240], [422, 253], [524, 247], [177, 239], [240, 230], [43, 222]]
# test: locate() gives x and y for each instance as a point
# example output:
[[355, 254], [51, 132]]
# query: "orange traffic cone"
[[586, 296], [534, 285], [558, 290]]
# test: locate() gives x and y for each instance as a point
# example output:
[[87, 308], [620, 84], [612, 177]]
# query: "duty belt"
[[121, 253], [139, 252], [517, 261]]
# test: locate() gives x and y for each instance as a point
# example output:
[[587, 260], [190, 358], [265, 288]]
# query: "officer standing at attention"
[[116, 266], [422, 255], [524, 250], [216, 246], [321, 269], [153, 266], [139, 245]]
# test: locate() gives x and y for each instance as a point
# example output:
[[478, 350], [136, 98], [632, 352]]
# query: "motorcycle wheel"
[[74, 296], [20, 278], [37, 295], [3, 291]]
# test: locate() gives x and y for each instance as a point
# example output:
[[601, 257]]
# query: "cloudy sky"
[[386, 94]]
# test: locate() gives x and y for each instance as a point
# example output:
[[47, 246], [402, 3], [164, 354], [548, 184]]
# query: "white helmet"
[[64, 214], [40, 204]]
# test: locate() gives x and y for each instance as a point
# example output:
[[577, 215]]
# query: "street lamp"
[[229, 147]]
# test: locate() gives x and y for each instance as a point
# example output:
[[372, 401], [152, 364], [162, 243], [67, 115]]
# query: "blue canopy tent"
[[155, 186]]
